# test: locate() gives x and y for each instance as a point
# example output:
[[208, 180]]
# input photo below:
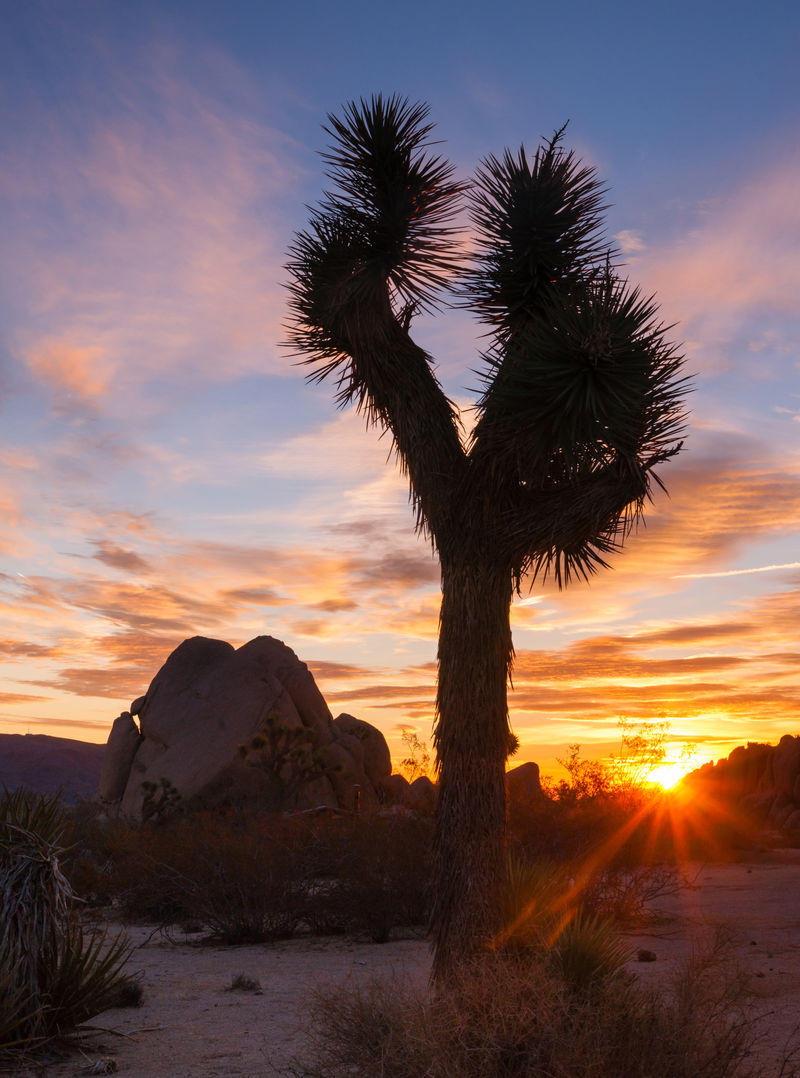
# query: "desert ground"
[[193, 1025]]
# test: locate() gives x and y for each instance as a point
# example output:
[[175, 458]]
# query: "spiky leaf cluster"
[[589, 380], [382, 233], [539, 226], [582, 394], [53, 976]]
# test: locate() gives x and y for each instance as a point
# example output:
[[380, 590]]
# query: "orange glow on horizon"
[[670, 773]]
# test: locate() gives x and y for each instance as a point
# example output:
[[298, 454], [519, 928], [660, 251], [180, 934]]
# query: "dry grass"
[[513, 1016]]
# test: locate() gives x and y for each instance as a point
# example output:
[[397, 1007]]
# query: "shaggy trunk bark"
[[471, 739]]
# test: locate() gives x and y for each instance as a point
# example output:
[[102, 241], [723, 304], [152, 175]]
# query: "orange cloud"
[[72, 370], [9, 698], [720, 504]]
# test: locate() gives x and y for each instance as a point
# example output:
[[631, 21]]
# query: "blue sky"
[[167, 471]]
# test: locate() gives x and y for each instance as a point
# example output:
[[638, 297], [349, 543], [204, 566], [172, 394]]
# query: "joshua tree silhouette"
[[581, 401]]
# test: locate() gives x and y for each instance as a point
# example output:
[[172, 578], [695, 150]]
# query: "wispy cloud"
[[7, 698], [741, 258], [630, 241], [740, 572], [155, 247]]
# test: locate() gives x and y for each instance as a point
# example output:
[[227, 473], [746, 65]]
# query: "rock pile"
[[223, 725], [762, 780]]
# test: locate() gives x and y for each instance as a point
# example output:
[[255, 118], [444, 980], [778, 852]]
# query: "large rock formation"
[[756, 781], [245, 725]]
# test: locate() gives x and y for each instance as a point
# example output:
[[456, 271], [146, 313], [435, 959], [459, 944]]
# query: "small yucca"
[[52, 976]]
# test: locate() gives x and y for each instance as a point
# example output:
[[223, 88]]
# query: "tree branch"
[[392, 380]]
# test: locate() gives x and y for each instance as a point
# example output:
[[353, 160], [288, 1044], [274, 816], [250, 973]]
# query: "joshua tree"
[[581, 401]]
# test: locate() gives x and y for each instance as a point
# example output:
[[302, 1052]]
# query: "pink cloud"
[[78, 371], [722, 501], [172, 255], [742, 257]]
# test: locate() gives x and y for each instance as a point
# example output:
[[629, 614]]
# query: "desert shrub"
[[246, 891], [367, 874], [566, 824], [601, 802], [248, 878], [241, 879], [418, 761], [513, 1016], [623, 895], [386, 873], [257, 876], [53, 975], [611, 834], [136, 868]]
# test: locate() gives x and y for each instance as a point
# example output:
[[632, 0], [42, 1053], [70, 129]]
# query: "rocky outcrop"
[[121, 747], [524, 785], [758, 781], [220, 724], [421, 796]]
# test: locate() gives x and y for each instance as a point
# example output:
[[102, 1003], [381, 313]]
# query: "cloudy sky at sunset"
[[166, 470]]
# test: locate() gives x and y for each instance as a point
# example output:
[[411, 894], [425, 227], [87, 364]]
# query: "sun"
[[670, 774]]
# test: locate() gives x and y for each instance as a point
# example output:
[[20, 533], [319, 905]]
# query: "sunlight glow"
[[669, 774]]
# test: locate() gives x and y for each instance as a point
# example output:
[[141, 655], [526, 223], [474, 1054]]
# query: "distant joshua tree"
[[581, 401]]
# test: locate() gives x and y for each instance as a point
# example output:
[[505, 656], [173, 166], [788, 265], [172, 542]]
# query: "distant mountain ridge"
[[50, 765]]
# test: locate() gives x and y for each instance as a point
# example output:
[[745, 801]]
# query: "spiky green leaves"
[[588, 380], [538, 225], [403, 197], [382, 238]]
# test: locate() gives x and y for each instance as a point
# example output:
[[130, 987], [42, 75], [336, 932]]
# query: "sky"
[[166, 470]]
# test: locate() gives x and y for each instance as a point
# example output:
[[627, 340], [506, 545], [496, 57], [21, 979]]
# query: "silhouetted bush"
[[386, 874], [248, 877]]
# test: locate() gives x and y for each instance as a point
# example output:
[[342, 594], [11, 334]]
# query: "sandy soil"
[[192, 1025]]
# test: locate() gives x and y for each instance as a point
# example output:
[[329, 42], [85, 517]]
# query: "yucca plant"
[[587, 950], [531, 896], [52, 976], [582, 948]]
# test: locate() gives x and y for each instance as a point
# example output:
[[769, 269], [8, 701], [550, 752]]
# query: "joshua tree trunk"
[[471, 738]]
